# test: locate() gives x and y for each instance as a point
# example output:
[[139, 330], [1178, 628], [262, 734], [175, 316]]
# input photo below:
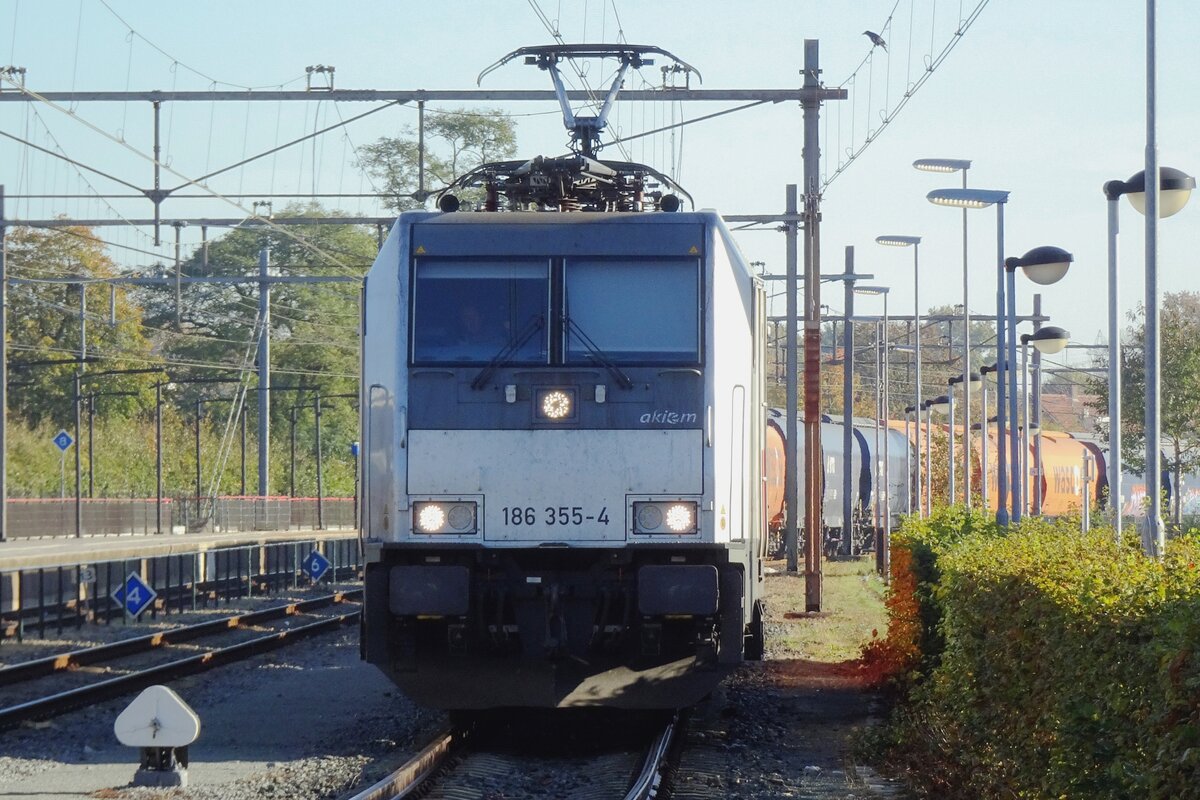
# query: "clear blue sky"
[[1047, 99]]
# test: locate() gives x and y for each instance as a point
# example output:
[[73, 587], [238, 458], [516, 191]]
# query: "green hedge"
[[1061, 665], [915, 576]]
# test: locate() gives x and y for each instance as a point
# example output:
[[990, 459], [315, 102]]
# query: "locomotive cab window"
[[471, 312], [632, 312]]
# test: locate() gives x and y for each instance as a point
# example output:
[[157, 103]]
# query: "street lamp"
[[883, 547], [927, 407], [985, 370], [1042, 265], [944, 404], [915, 243], [949, 165], [968, 381], [982, 198], [908, 467], [1047, 341], [1175, 187]]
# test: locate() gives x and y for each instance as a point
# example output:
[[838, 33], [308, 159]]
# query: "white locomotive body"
[[563, 451]]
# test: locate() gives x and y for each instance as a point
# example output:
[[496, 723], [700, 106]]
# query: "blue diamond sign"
[[315, 566], [134, 595], [62, 441]]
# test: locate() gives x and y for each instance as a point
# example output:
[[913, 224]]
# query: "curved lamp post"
[[1048, 340], [908, 467], [1042, 265], [987, 369], [969, 381], [883, 546], [944, 404], [915, 243], [1174, 190], [950, 165], [928, 408], [982, 198]]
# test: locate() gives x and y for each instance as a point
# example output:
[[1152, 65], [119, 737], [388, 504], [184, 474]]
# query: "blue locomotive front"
[[563, 495]]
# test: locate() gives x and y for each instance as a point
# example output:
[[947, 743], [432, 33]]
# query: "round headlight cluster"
[[556, 405], [431, 518], [435, 517], [461, 517], [664, 517], [649, 517], [679, 518]]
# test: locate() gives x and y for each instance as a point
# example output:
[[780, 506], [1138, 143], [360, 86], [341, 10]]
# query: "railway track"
[[26, 675], [451, 766]]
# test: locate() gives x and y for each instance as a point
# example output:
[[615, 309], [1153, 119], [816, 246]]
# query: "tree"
[[314, 334], [44, 324], [1179, 387], [456, 142]]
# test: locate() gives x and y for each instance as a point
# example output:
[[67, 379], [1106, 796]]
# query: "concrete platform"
[[35, 553]]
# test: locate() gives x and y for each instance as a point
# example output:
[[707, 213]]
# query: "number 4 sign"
[[134, 596]]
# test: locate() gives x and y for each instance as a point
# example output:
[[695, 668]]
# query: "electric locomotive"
[[563, 466]]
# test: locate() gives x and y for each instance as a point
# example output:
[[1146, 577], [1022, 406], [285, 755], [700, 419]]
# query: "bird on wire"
[[876, 39]]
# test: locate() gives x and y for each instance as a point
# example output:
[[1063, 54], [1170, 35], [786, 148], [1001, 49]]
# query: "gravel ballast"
[[313, 721]]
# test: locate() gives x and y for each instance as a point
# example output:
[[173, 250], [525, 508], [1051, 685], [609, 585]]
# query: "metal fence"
[[46, 600], [47, 517]]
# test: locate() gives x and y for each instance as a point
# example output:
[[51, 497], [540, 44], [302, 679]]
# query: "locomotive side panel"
[[384, 389]]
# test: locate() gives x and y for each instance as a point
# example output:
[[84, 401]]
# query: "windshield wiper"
[[599, 355], [506, 353]]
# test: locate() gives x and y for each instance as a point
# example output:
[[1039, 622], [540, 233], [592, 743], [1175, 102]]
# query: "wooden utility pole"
[[813, 524]]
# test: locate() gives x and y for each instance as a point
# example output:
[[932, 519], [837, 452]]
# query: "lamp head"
[[942, 164], [871, 290], [940, 403], [1174, 188], [898, 241], [967, 198], [1049, 340], [1043, 265]]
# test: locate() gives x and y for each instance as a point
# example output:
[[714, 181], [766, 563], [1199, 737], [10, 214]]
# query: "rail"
[[80, 696], [412, 775]]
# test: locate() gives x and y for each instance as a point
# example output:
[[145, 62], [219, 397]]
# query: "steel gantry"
[[810, 96]]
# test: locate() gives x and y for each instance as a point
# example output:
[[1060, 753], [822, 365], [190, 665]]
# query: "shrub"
[[1063, 665]]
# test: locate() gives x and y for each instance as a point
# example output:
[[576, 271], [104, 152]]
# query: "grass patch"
[[852, 609]]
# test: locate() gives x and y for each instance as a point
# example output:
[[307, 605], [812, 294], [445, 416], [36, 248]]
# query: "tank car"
[[863, 484], [564, 496]]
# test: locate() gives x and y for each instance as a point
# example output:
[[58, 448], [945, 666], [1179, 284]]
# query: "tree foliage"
[[1179, 386], [44, 325], [456, 142], [313, 330]]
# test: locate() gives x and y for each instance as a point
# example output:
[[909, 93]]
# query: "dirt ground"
[[793, 717]]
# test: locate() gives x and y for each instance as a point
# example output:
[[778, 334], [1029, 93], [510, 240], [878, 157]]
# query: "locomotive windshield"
[[633, 312], [468, 312], [623, 312]]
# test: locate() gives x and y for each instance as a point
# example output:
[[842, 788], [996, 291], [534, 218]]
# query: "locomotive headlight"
[[441, 517], [681, 517], [554, 405], [431, 517], [461, 517], [664, 517], [649, 517]]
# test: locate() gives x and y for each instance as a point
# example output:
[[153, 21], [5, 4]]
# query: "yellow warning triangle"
[[421, 250], [694, 251]]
